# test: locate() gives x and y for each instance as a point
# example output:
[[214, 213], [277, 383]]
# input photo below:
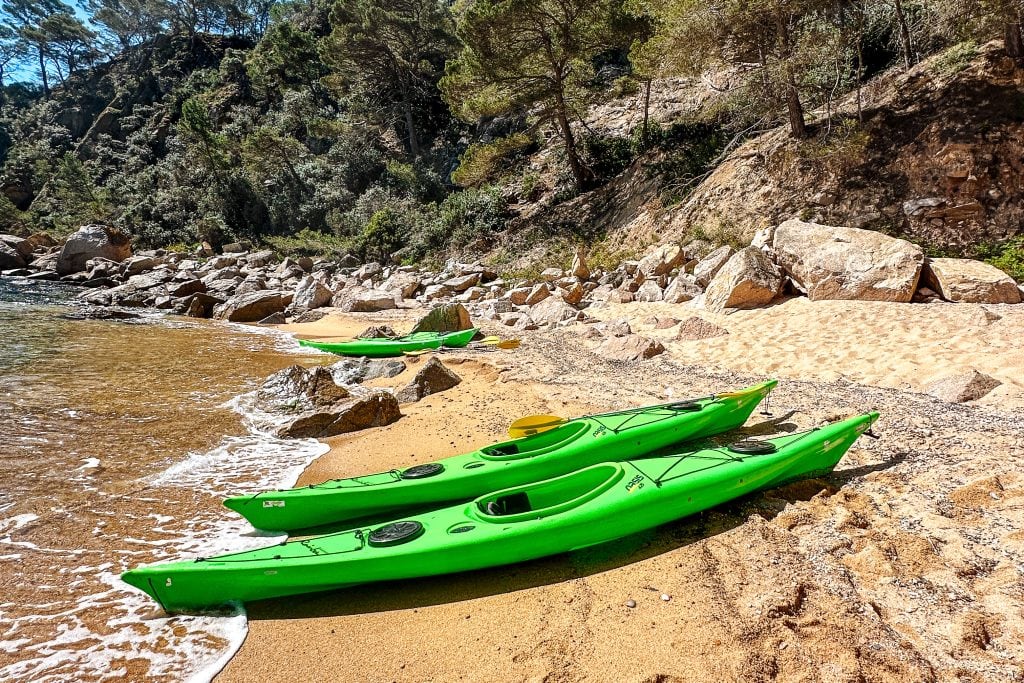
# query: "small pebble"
[[666, 597], [783, 646], [630, 603]]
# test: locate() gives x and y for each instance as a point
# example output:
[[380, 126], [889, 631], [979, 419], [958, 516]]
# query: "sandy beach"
[[902, 565]]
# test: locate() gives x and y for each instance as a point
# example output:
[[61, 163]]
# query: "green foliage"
[[955, 59], [722, 232], [688, 150], [1006, 256], [608, 155], [309, 243], [382, 236], [482, 160]]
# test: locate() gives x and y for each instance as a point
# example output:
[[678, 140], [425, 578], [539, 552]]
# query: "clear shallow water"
[[118, 441]]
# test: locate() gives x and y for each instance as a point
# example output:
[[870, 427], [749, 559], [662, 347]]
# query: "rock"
[[662, 260], [274, 319], [665, 323], [708, 266], [316, 406], [252, 306], [360, 300], [91, 241], [747, 280], [830, 262], [615, 328], [358, 370], [221, 262], [200, 305], [573, 294], [493, 308], [519, 295], [968, 281], [553, 310], [632, 347], [579, 267], [619, 296], [517, 320], [444, 318], [462, 283], [348, 261], [968, 386], [377, 332], [135, 265], [10, 258], [699, 328], [649, 291], [551, 274], [683, 288], [311, 293], [368, 271], [537, 294], [376, 409], [236, 247], [24, 246], [407, 284], [259, 259], [187, 287], [310, 316], [432, 378]]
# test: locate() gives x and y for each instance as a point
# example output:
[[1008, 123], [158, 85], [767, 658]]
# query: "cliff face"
[[938, 159]]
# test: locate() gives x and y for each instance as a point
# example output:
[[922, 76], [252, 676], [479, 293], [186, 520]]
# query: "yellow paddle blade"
[[418, 352], [534, 424], [490, 340], [508, 344]]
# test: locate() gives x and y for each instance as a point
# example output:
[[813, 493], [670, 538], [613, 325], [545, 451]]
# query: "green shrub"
[[1007, 257], [309, 243], [480, 160], [608, 155]]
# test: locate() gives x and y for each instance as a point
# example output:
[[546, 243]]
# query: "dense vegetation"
[[401, 127]]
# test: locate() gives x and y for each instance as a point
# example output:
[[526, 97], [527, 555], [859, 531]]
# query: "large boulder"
[[695, 327], [747, 280], [432, 378], [309, 403], [361, 300], [251, 307], [708, 267], [311, 293], [92, 241], [662, 260], [359, 370], [968, 281], [10, 258], [579, 268], [631, 347], [552, 311], [444, 318], [682, 289], [831, 262], [405, 284]]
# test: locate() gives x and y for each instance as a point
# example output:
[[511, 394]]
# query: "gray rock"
[[631, 347], [361, 300], [649, 291], [10, 258], [432, 378], [444, 318], [553, 310], [683, 288], [967, 281], [274, 319], [310, 316], [358, 370], [187, 287], [968, 386], [311, 293], [708, 267], [662, 260], [91, 241], [252, 307], [747, 280], [376, 409], [832, 262], [699, 328], [139, 264]]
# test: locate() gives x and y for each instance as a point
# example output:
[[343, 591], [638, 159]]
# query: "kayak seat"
[[504, 449], [511, 504]]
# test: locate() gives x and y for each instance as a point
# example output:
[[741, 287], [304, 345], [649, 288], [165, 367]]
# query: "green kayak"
[[386, 347], [590, 506], [576, 443]]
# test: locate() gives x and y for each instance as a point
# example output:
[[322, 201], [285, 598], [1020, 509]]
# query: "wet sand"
[[902, 565]]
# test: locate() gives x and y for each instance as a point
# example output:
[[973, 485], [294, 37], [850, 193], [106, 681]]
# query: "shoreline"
[[855, 523]]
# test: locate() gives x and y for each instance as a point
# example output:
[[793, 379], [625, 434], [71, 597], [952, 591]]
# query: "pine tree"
[[524, 54]]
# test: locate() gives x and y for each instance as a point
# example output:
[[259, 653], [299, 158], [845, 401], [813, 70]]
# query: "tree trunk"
[[905, 45], [579, 171], [647, 110], [797, 124], [414, 145], [42, 72], [1014, 41]]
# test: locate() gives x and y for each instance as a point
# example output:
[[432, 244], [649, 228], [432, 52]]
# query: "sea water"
[[118, 441]]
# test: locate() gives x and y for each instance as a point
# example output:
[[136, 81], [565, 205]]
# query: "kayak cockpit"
[[536, 444], [550, 497]]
